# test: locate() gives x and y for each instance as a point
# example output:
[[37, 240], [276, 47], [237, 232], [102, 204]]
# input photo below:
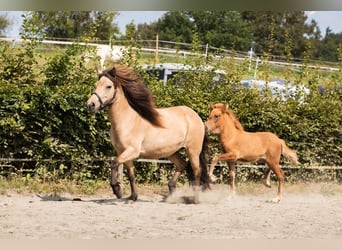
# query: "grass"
[[25, 185], [22, 185]]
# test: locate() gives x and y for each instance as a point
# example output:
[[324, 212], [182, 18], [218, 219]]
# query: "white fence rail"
[[115, 52]]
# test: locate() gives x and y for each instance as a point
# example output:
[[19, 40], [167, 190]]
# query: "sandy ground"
[[220, 215]]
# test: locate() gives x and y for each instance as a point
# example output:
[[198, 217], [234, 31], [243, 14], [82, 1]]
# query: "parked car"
[[278, 87], [166, 71]]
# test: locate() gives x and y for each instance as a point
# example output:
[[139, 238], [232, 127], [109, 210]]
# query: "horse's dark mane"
[[137, 94]]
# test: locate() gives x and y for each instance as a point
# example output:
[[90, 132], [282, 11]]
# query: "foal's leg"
[[231, 166], [213, 163], [280, 175], [229, 157], [180, 166], [266, 180]]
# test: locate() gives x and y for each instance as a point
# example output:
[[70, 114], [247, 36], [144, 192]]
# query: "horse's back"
[[183, 114], [182, 127], [184, 120]]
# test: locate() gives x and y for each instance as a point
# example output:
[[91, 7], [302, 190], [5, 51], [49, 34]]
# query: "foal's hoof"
[[275, 200], [117, 190], [266, 183], [212, 178]]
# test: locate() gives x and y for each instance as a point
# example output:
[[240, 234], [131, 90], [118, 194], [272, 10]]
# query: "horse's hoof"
[[190, 200], [172, 186], [206, 187], [133, 197], [117, 191]]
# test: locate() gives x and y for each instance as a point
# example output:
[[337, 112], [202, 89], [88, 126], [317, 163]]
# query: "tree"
[[175, 26], [222, 29], [74, 24], [105, 28], [291, 23], [327, 49], [147, 31], [4, 23]]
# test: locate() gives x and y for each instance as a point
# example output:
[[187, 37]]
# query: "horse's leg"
[[193, 156], [266, 180], [180, 166], [231, 166], [130, 170], [195, 164], [126, 157], [113, 180]]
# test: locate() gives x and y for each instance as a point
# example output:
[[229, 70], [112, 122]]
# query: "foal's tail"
[[205, 180], [288, 153]]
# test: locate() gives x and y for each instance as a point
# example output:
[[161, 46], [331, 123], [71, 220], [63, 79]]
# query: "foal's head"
[[216, 120]]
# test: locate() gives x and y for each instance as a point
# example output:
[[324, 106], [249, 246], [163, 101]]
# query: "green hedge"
[[43, 113]]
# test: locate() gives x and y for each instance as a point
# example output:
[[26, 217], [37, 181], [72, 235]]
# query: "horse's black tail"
[[205, 180]]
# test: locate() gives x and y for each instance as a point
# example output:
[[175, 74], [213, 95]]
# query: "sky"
[[331, 19]]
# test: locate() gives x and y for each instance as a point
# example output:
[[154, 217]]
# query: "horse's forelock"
[[109, 73]]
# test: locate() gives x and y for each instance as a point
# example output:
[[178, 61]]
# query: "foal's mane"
[[236, 121], [137, 94]]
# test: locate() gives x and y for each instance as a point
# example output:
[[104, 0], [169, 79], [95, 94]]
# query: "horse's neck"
[[121, 114]]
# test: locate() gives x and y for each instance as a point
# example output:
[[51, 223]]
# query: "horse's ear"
[[112, 72], [211, 106]]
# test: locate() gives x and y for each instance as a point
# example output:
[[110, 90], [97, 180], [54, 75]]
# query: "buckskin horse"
[[241, 146], [139, 129]]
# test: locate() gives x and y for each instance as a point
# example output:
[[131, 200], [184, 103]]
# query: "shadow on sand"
[[102, 201]]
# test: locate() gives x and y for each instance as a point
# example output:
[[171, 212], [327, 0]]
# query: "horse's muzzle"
[[91, 106]]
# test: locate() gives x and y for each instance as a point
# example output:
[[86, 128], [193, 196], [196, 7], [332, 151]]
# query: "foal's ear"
[[224, 107], [98, 71], [211, 106]]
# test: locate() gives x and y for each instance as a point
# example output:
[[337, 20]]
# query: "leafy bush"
[[44, 117]]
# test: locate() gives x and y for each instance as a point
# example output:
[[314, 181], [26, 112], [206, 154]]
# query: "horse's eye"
[[109, 86]]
